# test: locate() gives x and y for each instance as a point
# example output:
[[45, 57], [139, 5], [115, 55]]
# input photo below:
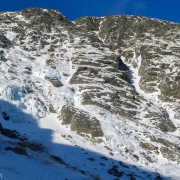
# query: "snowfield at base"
[[49, 133]]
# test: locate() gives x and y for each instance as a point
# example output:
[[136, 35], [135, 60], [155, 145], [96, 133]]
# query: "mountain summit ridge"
[[107, 85]]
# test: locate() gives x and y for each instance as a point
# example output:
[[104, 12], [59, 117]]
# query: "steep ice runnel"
[[152, 97]]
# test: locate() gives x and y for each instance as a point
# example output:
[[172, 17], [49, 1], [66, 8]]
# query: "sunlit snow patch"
[[10, 35]]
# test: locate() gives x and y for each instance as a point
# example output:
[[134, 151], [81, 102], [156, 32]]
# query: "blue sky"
[[161, 9]]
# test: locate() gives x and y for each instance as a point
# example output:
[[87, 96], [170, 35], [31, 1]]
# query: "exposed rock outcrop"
[[81, 121]]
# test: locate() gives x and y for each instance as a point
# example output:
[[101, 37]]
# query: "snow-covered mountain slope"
[[150, 47], [73, 108]]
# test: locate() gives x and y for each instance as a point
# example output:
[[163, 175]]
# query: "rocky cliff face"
[[113, 80], [157, 42]]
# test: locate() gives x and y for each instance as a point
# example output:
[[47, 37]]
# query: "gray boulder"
[[80, 121], [54, 81]]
